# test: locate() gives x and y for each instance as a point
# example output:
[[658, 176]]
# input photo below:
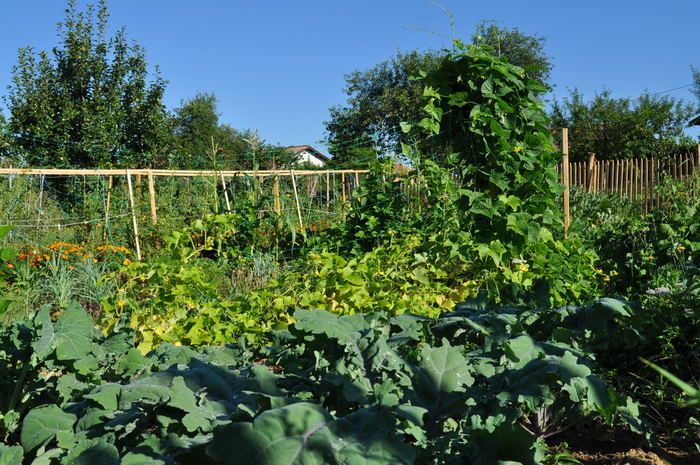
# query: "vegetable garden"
[[436, 316]]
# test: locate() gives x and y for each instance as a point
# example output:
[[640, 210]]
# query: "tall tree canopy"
[[202, 141], [89, 102], [696, 82], [380, 98], [613, 128]]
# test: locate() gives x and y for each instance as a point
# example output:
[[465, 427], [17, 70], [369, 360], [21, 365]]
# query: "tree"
[[615, 128], [199, 136], [380, 98], [89, 102], [4, 138]]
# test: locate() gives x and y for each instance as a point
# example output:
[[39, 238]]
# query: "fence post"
[[223, 184], [133, 214], [276, 194], [565, 178], [342, 181], [296, 199], [328, 189], [152, 196], [107, 203], [591, 173]]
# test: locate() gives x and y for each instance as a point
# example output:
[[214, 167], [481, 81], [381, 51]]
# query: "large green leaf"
[[42, 424], [292, 435], [74, 330], [11, 455], [440, 380], [303, 433]]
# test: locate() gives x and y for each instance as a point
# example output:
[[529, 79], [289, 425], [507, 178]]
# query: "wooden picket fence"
[[634, 178]]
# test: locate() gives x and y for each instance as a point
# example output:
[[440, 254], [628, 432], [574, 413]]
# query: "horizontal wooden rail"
[[167, 173]]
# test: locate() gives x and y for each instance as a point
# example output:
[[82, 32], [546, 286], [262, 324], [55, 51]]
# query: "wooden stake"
[[133, 214], [652, 177], [109, 199], [225, 187], [276, 195], [342, 181], [565, 179], [152, 196], [590, 174], [296, 199]]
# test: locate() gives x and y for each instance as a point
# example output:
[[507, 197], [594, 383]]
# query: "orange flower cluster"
[[70, 252]]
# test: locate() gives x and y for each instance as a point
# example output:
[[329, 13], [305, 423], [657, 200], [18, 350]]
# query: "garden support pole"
[[591, 173], [342, 181], [107, 203], [328, 189], [133, 214], [276, 194], [228, 202], [296, 199], [565, 178], [152, 197]]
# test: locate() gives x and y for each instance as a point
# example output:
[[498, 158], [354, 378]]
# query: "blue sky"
[[278, 65]]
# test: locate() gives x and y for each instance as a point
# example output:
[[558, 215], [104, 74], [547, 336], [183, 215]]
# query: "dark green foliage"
[[517, 48], [618, 128], [382, 97], [360, 388], [202, 140], [379, 99], [89, 102]]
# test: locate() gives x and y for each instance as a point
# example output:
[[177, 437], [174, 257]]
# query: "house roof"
[[695, 121], [307, 148]]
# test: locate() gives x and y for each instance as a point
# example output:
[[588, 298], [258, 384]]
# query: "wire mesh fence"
[[136, 206]]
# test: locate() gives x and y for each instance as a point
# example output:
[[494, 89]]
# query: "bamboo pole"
[[133, 214], [328, 189], [276, 194], [107, 205], [565, 179], [225, 187], [161, 172], [152, 198], [342, 181], [296, 199]]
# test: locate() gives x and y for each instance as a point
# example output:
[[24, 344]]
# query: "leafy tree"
[[89, 102], [4, 137], [202, 141], [380, 98], [615, 128], [200, 136]]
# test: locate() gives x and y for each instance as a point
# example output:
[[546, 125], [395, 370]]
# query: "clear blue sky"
[[278, 65]]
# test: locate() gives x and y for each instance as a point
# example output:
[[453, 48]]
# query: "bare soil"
[[601, 446]]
